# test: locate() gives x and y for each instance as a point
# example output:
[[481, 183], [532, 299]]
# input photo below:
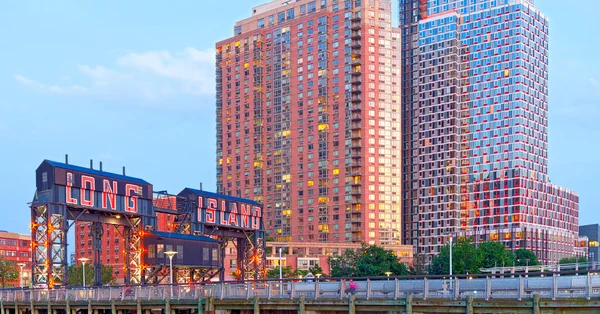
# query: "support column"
[[48, 308], [210, 305], [256, 305], [68, 307], [409, 304], [90, 309], [351, 307], [301, 307], [470, 304], [200, 307], [2, 307], [138, 308], [168, 306], [32, 307], [113, 307], [536, 304], [147, 311]]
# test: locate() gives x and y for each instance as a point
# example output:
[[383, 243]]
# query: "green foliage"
[[467, 258], [523, 255], [492, 254], [316, 270], [573, 260], [287, 272], [370, 261], [76, 275], [464, 259], [9, 272]]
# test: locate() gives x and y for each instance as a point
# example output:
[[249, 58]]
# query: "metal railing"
[[547, 285]]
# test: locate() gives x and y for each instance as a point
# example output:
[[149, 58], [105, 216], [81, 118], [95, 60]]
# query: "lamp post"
[[388, 273], [450, 257], [21, 265], [170, 254], [280, 274], [83, 260]]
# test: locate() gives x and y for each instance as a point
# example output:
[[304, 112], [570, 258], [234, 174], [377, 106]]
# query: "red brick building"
[[17, 247], [113, 243], [308, 119]]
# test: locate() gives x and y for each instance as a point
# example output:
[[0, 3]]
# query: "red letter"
[[245, 215], [233, 216], [110, 194], [199, 209], [128, 189], [210, 211], [84, 182], [256, 218], [70, 199], [223, 212]]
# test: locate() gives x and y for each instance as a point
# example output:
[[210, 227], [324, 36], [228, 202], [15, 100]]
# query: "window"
[[205, 253]]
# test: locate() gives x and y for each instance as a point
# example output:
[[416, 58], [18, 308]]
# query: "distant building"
[[17, 247], [592, 232], [113, 242]]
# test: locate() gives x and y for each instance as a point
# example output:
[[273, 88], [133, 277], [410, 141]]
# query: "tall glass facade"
[[476, 128]]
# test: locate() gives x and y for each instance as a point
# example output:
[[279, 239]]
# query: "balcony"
[[355, 26]]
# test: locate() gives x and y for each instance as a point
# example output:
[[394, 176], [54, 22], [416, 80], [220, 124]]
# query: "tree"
[[492, 254], [76, 275], [9, 272], [573, 260], [370, 261], [524, 257], [286, 272], [464, 259], [316, 269]]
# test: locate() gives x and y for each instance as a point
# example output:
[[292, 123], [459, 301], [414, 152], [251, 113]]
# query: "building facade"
[[113, 241], [16, 248], [475, 128], [308, 119], [592, 232]]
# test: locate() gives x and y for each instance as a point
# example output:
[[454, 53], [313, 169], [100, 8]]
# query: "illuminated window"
[[336, 171]]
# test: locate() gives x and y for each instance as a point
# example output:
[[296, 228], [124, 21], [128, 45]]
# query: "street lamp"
[[280, 275], [388, 273], [318, 276], [170, 254], [450, 257], [21, 265], [83, 260]]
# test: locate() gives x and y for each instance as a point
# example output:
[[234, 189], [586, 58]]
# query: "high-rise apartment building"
[[475, 128], [308, 119]]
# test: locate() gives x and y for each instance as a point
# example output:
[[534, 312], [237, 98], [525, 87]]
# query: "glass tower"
[[475, 128]]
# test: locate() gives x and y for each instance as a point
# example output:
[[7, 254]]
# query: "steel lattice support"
[[133, 251], [254, 253], [39, 244], [57, 234]]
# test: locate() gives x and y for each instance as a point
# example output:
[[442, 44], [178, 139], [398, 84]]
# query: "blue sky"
[[131, 83]]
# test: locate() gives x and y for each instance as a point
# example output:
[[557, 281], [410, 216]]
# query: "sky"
[[131, 83]]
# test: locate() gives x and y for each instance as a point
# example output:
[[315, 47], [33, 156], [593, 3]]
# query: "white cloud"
[[148, 75], [49, 88], [192, 68]]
